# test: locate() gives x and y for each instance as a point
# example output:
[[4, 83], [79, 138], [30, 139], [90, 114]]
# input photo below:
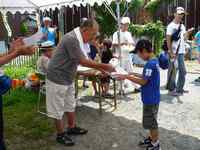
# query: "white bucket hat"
[[125, 20]]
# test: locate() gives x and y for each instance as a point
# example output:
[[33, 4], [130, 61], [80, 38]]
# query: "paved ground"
[[179, 120]]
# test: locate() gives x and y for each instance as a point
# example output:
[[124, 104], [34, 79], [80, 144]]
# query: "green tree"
[[108, 24], [153, 5]]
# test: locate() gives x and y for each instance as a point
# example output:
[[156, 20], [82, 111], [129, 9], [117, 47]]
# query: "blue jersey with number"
[[151, 90]]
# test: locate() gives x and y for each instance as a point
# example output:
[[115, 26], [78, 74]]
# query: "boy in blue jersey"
[[150, 93]]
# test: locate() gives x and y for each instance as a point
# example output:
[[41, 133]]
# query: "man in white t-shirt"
[[177, 56]]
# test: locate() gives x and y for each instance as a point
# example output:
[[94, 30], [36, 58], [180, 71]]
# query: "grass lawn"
[[23, 125], [25, 128]]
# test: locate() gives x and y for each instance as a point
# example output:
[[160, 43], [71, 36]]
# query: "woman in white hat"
[[127, 45]]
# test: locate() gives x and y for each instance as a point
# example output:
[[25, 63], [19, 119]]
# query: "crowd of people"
[[84, 46]]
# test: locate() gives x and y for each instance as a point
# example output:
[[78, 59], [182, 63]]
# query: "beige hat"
[[180, 10], [125, 20]]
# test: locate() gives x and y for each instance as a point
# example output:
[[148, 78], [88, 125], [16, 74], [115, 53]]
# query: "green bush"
[[154, 31], [18, 72], [23, 28]]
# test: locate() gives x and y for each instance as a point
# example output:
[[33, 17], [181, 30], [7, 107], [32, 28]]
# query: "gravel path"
[[121, 129], [179, 120]]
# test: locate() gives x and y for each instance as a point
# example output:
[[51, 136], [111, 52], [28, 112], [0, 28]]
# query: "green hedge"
[[18, 72], [154, 31]]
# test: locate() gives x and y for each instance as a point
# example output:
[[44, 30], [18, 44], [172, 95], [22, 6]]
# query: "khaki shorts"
[[59, 99]]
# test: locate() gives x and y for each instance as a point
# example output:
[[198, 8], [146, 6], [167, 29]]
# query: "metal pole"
[[7, 26], [119, 39]]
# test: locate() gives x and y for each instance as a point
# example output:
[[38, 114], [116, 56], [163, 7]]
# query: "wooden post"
[[100, 95], [115, 93], [76, 86], [61, 22]]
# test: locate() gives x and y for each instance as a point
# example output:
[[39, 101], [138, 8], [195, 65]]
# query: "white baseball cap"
[[46, 19], [180, 10], [125, 20]]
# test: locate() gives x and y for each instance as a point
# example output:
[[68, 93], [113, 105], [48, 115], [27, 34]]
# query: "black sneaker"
[[137, 90], [152, 147], [145, 143], [76, 131], [65, 140]]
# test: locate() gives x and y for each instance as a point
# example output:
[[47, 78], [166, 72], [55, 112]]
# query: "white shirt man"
[[171, 29], [177, 89]]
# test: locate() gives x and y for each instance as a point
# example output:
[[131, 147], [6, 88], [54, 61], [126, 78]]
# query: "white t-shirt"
[[173, 27], [85, 47], [125, 37]]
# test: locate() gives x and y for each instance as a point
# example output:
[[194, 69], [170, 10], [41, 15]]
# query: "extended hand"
[[172, 55], [26, 50], [110, 68], [21, 49], [190, 30], [16, 43]]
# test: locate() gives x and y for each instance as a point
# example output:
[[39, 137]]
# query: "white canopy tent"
[[22, 6], [14, 6], [47, 4]]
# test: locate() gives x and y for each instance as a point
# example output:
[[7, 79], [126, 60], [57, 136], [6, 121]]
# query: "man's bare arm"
[[99, 66], [169, 45], [17, 50], [7, 58]]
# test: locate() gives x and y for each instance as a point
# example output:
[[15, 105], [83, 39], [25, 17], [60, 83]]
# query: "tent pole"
[[119, 39], [8, 29], [38, 19]]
